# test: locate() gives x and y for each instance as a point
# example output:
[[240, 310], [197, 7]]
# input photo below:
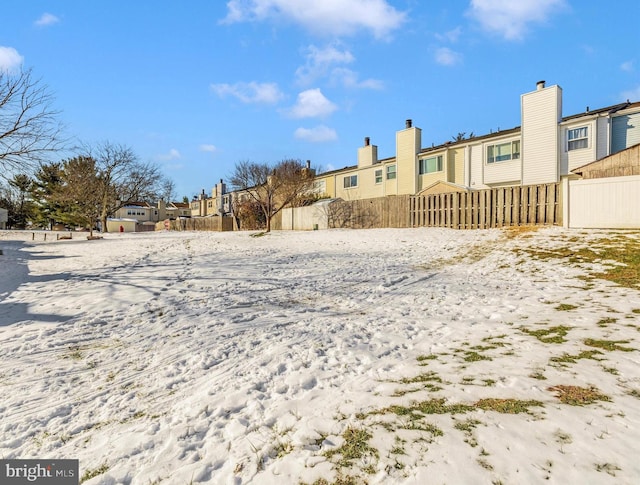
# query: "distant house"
[[175, 210], [142, 216], [4, 218], [140, 211]]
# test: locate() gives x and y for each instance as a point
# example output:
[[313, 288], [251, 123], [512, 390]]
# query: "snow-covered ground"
[[343, 356]]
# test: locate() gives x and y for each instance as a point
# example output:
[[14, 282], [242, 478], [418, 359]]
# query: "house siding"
[[602, 137], [476, 163], [625, 131], [497, 173], [456, 164], [541, 112], [573, 159]]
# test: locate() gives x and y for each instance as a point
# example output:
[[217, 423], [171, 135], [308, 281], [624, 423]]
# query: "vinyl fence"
[[612, 203], [483, 209]]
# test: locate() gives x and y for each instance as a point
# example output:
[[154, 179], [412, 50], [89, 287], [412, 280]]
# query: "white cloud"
[[46, 19], [173, 154], [627, 66], [450, 36], [318, 134], [511, 18], [349, 79], [208, 148], [319, 62], [632, 95], [252, 92], [447, 57], [326, 17], [10, 60], [322, 62], [312, 104]]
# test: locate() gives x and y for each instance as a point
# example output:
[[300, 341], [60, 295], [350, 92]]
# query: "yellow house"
[[409, 172]]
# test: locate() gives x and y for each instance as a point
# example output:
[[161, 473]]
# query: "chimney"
[[540, 85], [408, 124], [308, 164], [367, 141]]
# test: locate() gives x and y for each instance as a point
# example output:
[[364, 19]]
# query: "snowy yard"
[[410, 356]]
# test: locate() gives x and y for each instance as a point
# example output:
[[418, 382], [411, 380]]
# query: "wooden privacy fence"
[[216, 223], [391, 211], [483, 209]]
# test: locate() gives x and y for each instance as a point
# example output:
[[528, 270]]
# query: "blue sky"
[[198, 86]]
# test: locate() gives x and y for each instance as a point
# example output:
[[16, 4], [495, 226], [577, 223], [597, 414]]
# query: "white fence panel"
[[315, 216], [608, 203]]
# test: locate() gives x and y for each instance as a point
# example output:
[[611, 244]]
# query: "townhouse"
[[545, 148]]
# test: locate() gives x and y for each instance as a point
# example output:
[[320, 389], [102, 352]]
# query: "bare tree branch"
[[273, 188], [29, 130]]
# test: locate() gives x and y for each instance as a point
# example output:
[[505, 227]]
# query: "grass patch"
[[620, 256], [538, 375], [563, 307], [74, 353], [425, 377], [340, 480], [609, 345], [553, 335], [578, 396], [355, 446], [93, 472], [609, 468], [440, 406], [603, 322], [423, 359], [572, 359], [507, 406], [472, 356], [635, 393]]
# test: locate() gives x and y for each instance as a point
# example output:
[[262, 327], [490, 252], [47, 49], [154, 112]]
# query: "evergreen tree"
[[46, 209]]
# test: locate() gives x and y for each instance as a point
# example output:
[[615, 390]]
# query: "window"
[[319, 186], [378, 174], [350, 181], [430, 165], [503, 152], [578, 138], [391, 172]]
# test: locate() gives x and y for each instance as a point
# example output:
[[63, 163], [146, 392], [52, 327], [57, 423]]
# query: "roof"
[[609, 110], [144, 205], [442, 187]]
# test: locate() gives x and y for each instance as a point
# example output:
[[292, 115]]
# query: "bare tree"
[[123, 178], [29, 131], [273, 187]]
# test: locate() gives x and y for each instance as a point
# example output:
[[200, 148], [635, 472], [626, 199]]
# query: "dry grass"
[[578, 396]]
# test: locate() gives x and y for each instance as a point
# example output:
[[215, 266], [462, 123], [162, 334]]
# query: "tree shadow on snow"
[[14, 272]]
